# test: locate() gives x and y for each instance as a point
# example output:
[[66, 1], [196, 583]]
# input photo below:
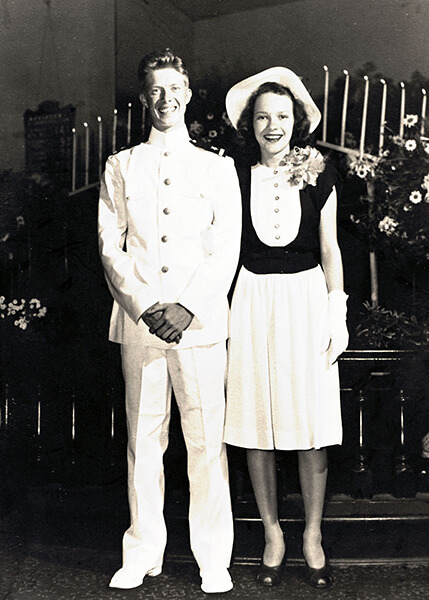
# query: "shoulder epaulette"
[[208, 147]]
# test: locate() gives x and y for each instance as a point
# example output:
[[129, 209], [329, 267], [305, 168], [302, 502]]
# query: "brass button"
[[167, 153], [167, 181], [277, 198], [276, 225], [164, 238], [277, 237], [276, 185], [166, 211], [201, 195], [276, 210], [164, 269], [275, 172]]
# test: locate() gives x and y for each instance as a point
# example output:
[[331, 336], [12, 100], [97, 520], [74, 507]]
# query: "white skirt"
[[281, 391]]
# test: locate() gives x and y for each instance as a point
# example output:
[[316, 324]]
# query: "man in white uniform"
[[169, 233]]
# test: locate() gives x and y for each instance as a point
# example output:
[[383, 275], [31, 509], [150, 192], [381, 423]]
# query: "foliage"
[[208, 122], [392, 214], [383, 328], [396, 218]]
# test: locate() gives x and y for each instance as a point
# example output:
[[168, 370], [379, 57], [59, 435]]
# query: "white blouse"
[[275, 206]]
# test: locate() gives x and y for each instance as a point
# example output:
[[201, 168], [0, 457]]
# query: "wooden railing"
[[62, 415]]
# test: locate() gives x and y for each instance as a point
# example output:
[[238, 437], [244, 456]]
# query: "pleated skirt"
[[281, 391]]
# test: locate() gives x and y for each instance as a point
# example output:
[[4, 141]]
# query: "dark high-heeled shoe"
[[319, 578], [270, 576]]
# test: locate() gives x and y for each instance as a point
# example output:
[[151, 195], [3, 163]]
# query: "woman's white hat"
[[238, 95]]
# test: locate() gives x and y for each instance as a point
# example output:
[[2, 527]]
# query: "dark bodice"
[[303, 252]]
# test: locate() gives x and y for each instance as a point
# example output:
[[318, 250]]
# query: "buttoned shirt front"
[[169, 231], [275, 206]]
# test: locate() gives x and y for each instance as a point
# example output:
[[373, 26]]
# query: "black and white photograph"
[[214, 299]]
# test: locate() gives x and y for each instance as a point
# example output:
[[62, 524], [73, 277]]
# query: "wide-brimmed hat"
[[238, 95]]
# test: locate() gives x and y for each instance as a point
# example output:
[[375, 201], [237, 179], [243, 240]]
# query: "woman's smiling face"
[[273, 123]]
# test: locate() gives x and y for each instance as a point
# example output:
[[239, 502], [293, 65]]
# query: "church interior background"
[[69, 99]]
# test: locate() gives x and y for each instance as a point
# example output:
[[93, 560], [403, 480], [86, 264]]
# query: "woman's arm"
[[330, 251], [332, 266]]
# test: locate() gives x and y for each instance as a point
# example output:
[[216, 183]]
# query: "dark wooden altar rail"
[[62, 435]]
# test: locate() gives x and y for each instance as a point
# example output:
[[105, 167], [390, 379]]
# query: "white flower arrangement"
[[410, 120], [397, 216], [388, 225], [363, 166], [195, 128], [21, 312], [208, 124], [410, 145], [425, 186], [415, 197], [303, 166]]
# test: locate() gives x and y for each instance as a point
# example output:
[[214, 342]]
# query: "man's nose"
[[167, 95]]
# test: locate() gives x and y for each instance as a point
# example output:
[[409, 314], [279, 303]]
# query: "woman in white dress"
[[288, 314]]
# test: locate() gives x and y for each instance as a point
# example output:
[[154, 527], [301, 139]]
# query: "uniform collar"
[[169, 140]]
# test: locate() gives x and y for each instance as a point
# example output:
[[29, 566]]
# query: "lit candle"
[[382, 116], [364, 117], [424, 100], [373, 278], [129, 124], [6, 406], [361, 421], [402, 110], [73, 159], [86, 153], [73, 431], [115, 125], [402, 420], [345, 100], [325, 104], [100, 145]]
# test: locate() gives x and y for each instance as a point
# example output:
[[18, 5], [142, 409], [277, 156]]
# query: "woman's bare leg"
[[262, 470], [313, 471]]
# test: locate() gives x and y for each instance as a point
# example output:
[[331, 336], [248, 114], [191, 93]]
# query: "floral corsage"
[[303, 166]]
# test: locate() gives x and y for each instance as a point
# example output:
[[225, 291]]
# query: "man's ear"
[[188, 95], [143, 100]]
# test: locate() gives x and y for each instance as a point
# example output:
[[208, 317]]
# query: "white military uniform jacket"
[[169, 231]]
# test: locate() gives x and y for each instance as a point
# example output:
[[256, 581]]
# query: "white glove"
[[336, 334]]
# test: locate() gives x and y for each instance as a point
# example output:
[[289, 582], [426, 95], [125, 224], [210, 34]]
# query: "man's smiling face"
[[166, 95]]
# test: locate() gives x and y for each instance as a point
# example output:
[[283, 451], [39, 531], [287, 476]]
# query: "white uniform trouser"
[[197, 377]]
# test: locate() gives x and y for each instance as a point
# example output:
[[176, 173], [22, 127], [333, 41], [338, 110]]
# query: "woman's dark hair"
[[160, 59], [246, 134]]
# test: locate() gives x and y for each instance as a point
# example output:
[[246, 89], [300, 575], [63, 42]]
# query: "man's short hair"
[[160, 59]]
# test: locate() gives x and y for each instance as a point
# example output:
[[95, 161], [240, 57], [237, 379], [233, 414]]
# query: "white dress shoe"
[[127, 579], [216, 582]]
